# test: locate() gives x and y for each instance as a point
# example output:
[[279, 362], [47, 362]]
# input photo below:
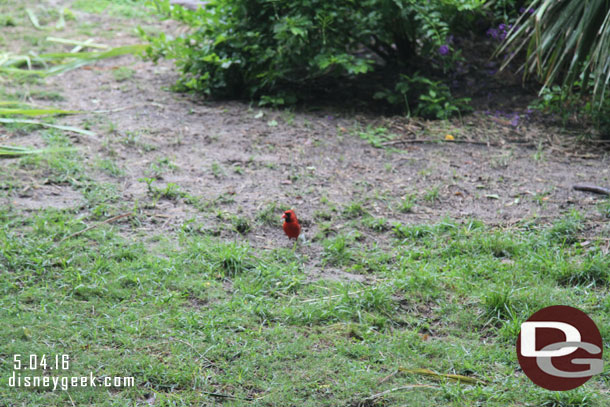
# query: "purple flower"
[[444, 49], [492, 32], [502, 27], [522, 10], [515, 121]]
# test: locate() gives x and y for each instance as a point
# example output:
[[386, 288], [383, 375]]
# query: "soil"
[[238, 158]]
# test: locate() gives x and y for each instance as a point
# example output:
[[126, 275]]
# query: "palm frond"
[[565, 41]]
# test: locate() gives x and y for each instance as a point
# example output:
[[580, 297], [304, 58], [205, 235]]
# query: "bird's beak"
[[284, 216]]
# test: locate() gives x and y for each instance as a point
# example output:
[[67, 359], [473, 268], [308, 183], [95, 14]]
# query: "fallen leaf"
[[449, 137]]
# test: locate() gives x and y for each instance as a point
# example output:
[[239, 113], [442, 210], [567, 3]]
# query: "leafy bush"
[[433, 98], [272, 51], [578, 109]]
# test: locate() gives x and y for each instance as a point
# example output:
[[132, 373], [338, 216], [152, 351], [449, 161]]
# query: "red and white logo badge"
[[560, 348]]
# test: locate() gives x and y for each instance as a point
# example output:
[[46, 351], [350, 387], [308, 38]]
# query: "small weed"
[[171, 191], [217, 170], [376, 224], [604, 208], [110, 167], [407, 203], [376, 136], [240, 224], [322, 215], [432, 194], [161, 166], [353, 210], [271, 214], [539, 154], [122, 73]]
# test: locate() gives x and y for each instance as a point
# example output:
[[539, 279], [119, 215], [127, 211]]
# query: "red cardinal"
[[291, 224]]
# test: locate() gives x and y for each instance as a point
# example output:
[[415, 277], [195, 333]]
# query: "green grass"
[[189, 314], [117, 8], [192, 315], [123, 73], [407, 203]]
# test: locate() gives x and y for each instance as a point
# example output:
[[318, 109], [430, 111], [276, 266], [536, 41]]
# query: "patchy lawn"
[[420, 253]]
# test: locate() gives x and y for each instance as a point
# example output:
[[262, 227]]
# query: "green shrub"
[[272, 51]]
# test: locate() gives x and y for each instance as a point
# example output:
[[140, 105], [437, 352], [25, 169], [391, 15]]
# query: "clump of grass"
[[110, 167], [322, 215], [411, 231], [376, 136], [171, 191], [217, 170], [593, 270], [122, 73], [230, 259], [353, 210], [407, 203], [161, 166], [241, 224], [499, 305], [604, 208], [574, 398], [337, 251], [376, 224], [566, 230], [432, 194], [271, 214]]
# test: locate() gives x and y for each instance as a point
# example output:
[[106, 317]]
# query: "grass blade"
[[33, 19], [16, 151], [61, 23], [88, 43], [34, 112], [53, 126]]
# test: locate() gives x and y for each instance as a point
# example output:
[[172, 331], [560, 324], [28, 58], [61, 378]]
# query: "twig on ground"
[[592, 188], [226, 396], [419, 140]]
